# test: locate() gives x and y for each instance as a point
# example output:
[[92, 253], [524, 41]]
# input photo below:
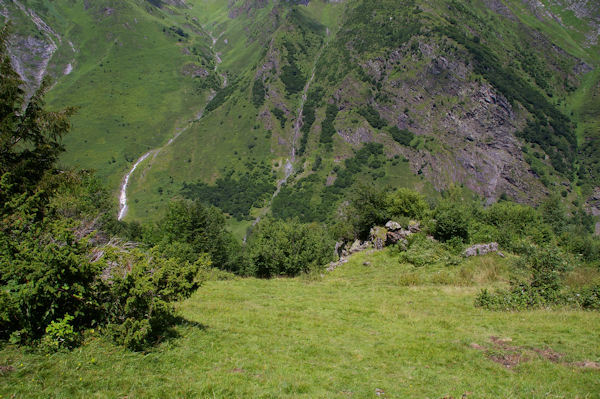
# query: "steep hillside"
[[137, 71], [303, 98]]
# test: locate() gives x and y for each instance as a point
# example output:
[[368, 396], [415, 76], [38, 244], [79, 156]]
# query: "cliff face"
[[33, 46], [467, 126]]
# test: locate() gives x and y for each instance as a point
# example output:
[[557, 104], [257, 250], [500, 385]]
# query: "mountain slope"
[[498, 96]]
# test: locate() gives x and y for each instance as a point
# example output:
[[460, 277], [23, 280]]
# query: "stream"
[[123, 195], [289, 163]]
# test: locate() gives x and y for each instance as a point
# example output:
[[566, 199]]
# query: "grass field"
[[382, 330]]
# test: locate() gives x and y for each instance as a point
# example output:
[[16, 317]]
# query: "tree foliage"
[[287, 248]]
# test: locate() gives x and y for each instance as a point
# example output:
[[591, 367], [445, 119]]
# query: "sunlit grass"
[[344, 334]]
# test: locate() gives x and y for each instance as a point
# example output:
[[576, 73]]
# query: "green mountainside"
[[237, 101], [299, 198]]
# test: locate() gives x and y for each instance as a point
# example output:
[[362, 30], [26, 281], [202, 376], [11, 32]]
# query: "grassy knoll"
[[403, 331]]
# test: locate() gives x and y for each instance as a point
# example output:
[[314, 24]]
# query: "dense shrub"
[[258, 93], [202, 228], [404, 202], [308, 116], [137, 299], [402, 136], [588, 298], [235, 195], [422, 251], [372, 116], [287, 248], [509, 224], [367, 208], [327, 126], [451, 220], [221, 96], [280, 115], [554, 213], [45, 275], [293, 79], [60, 334], [541, 287]]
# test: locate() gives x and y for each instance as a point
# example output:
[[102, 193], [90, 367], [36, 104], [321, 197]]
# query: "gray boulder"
[[481, 249]]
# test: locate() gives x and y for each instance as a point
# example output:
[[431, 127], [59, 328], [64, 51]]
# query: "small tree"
[[29, 135]]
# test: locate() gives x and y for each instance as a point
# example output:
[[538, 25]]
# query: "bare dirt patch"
[[237, 370], [588, 365], [549, 354], [6, 369], [501, 351]]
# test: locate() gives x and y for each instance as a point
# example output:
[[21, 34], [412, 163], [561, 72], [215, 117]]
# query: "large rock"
[[378, 237], [414, 227], [393, 226], [356, 246], [481, 249]]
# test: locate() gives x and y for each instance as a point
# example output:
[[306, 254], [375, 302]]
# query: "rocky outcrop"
[[468, 139], [482, 249], [195, 71], [396, 233], [247, 7], [592, 205], [378, 237]]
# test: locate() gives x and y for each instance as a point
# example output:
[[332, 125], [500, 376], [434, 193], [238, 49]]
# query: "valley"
[[460, 129], [300, 198]]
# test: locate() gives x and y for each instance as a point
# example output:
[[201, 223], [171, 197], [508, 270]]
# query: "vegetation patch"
[[235, 195], [328, 126], [402, 136]]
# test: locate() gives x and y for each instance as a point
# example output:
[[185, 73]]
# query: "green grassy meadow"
[[382, 330]]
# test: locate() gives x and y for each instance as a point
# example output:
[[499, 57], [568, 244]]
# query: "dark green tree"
[[29, 135]]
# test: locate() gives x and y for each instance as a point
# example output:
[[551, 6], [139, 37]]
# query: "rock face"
[[393, 226], [481, 249], [476, 133], [593, 203], [32, 54], [378, 237], [237, 8], [396, 233]]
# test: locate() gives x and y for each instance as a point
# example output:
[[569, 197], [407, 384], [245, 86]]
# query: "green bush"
[[451, 220], [138, 292], [60, 334], [202, 228], [422, 251], [287, 248], [258, 93], [372, 116], [293, 79], [588, 298], [542, 287], [44, 274], [235, 195], [402, 136], [404, 202], [554, 213], [279, 114], [327, 126]]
